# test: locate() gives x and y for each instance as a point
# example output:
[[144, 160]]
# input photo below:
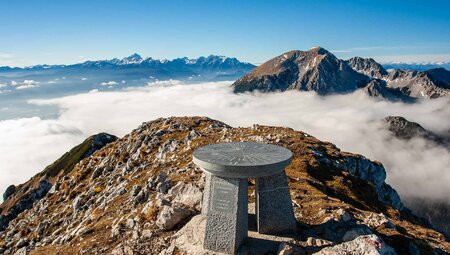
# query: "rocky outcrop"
[[148, 195], [25, 202], [9, 191], [364, 169]]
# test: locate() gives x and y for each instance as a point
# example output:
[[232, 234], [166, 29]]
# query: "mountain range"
[[319, 70], [419, 66], [211, 66]]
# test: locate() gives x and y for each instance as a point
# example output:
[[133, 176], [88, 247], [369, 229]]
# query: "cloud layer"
[[415, 168]]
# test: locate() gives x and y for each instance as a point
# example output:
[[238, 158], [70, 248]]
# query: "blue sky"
[[60, 31]]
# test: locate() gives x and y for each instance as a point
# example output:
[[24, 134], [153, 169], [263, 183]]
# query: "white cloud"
[[84, 79], [26, 84], [415, 168], [109, 83]]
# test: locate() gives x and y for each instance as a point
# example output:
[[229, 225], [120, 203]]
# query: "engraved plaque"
[[223, 197]]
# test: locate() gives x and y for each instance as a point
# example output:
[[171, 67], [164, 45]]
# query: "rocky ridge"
[[137, 194], [319, 70], [19, 199]]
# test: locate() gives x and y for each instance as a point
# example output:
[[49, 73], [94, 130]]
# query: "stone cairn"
[[228, 166]]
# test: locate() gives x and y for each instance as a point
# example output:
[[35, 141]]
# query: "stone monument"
[[228, 167]]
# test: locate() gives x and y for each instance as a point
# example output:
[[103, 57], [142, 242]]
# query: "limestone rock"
[[21, 251], [190, 237], [375, 220], [122, 250], [171, 216], [187, 195], [362, 245]]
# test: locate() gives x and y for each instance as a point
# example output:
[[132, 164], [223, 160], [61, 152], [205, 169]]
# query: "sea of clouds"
[[416, 168]]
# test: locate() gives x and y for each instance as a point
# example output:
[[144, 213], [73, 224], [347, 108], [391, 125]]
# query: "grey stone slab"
[[242, 159], [206, 193], [274, 210], [226, 214]]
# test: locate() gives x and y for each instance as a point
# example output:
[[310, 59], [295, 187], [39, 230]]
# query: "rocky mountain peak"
[[318, 50], [367, 66], [133, 58], [142, 195], [319, 70], [402, 128], [314, 70]]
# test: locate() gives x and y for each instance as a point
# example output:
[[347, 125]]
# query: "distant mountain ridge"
[[135, 60], [420, 66], [319, 70]]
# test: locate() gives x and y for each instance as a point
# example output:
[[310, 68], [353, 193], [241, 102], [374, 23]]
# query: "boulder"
[[122, 250], [171, 216], [375, 220], [362, 245], [21, 251], [187, 195]]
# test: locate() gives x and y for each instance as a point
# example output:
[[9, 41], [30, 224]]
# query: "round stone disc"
[[242, 159]]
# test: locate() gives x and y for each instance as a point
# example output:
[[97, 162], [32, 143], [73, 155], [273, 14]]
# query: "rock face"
[[440, 76], [320, 71], [367, 66], [314, 70], [418, 84], [149, 194]]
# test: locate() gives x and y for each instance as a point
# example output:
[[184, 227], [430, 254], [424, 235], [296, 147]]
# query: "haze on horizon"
[[253, 31]]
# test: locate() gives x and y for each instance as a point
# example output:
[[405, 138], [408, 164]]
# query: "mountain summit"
[[314, 70], [319, 70], [141, 194]]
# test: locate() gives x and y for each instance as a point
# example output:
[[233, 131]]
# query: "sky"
[[62, 32]]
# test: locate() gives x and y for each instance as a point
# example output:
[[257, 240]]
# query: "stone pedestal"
[[225, 207], [274, 211], [225, 203]]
